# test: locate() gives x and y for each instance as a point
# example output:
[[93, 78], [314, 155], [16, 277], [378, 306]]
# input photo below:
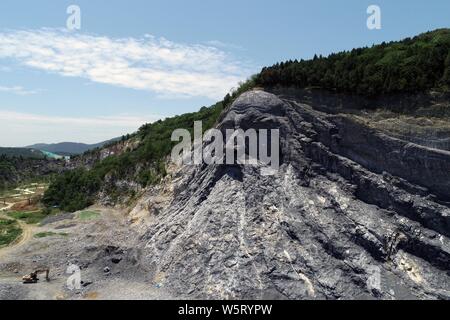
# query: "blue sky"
[[136, 61]]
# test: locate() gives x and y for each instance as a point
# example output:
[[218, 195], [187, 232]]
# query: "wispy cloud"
[[56, 128], [148, 63], [118, 120], [224, 45], [19, 90]]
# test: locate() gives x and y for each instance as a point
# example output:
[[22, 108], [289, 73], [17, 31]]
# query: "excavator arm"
[[33, 277]]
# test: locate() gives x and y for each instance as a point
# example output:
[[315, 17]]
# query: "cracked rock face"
[[351, 214]]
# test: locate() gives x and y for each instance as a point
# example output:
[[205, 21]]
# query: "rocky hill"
[[347, 203]]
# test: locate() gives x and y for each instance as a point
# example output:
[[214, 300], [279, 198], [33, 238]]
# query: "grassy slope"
[[29, 217]]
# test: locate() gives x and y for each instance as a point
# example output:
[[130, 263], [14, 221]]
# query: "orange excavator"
[[33, 277]]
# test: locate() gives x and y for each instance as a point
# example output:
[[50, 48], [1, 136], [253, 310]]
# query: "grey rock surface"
[[351, 214]]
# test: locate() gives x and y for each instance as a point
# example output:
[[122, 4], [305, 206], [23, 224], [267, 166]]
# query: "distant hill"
[[69, 148], [22, 152]]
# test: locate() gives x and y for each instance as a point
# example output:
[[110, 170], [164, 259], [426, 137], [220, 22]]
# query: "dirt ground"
[[104, 246]]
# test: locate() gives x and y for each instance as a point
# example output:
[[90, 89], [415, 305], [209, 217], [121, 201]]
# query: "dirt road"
[[27, 235], [27, 230]]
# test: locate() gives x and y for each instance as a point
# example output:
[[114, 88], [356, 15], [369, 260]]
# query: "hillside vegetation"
[[21, 165], [22, 152], [7, 172], [17, 170], [145, 164], [412, 65]]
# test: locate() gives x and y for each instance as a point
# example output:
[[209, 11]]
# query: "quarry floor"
[[102, 244]]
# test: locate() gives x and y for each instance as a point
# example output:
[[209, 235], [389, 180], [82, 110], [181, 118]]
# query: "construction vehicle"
[[33, 277]]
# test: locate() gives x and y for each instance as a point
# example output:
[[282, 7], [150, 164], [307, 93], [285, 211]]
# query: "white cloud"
[[225, 45], [19, 90], [147, 63], [18, 129]]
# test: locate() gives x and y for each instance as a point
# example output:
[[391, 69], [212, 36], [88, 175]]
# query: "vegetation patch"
[[50, 234], [88, 215], [31, 217], [9, 231]]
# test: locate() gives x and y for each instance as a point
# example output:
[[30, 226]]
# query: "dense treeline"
[[145, 164], [412, 65], [73, 190]]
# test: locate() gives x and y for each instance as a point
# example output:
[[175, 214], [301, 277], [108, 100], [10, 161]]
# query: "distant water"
[[52, 155]]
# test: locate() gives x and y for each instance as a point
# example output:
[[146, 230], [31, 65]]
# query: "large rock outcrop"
[[351, 214]]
